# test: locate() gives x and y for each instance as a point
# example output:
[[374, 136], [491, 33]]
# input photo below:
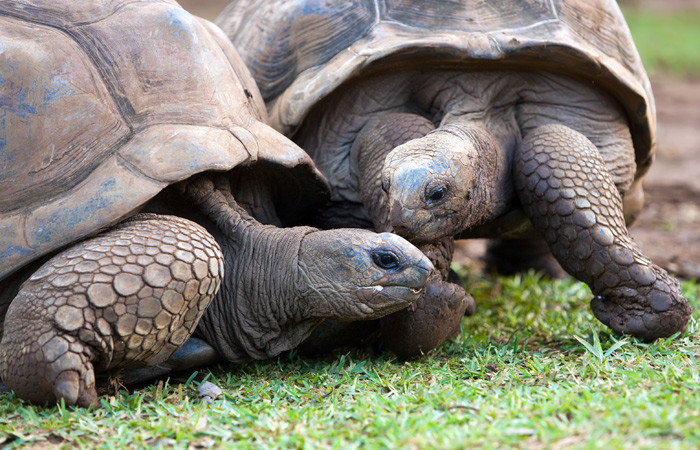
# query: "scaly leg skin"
[[571, 200], [434, 317], [126, 298]]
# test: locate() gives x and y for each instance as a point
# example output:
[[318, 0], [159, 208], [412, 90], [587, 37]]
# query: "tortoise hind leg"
[[126, 298], [572, 201]]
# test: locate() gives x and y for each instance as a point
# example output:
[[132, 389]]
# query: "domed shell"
[[299, 51], [105, 103]]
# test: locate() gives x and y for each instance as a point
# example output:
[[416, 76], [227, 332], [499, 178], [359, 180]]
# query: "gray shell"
[[105, 103], [299, 51]]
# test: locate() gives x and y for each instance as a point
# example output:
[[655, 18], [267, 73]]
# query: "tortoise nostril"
[[385, 259]]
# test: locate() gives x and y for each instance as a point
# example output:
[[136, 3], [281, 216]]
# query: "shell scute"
[[57, 121], [298, 35], [465, 16]]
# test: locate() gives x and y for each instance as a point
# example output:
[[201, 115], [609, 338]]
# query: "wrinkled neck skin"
[[471, 149], [476, 110], [259, 310], [376, 140]]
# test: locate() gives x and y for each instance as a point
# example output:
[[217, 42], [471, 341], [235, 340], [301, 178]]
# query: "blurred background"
[[667, 35]]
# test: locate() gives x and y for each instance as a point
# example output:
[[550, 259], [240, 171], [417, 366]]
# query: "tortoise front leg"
[[126, 298], [436, 315], [571, 200]]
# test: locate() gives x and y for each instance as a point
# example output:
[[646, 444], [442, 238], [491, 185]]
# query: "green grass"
[[532, 369], [667, 42]]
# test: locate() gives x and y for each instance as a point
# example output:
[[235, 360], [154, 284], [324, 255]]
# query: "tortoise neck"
[[494, 153], [377, 139], [259, 311]]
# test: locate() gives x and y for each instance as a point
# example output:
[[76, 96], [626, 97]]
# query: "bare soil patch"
[[668, 229]]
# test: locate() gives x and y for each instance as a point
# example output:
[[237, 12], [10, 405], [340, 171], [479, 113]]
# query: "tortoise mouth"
[[427, 226], [406, 293]]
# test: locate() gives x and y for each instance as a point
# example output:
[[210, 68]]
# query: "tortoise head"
[[354, 274], [436, 185]]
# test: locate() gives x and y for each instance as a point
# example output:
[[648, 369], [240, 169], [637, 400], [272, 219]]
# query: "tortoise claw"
[[76, 389], [642, 318]]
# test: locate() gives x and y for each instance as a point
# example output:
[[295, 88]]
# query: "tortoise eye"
[[437, 194], [385, 259]]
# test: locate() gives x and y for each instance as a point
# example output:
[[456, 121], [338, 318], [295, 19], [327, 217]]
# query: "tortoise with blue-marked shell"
[[531, 122], [142, 201]]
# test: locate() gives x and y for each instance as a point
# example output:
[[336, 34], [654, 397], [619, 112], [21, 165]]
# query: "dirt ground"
[[668, 230]]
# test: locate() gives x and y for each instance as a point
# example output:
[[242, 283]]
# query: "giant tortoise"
[[533, 121], [137, 118]]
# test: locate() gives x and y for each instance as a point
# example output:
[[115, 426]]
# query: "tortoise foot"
[[54, 367], [75, 384], [431, 320], [650, 313]]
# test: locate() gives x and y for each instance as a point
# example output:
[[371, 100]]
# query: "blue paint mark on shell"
[[63, 221], [5, 160], [16, 252], [57, 89], [182, 25], [17, 104]]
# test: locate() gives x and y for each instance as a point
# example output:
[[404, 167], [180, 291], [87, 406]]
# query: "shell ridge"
[[170, 153], [113, 12], [104, 66], [248, 140], [530, 26], [31, 18], [128, 165], [377, 12]]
